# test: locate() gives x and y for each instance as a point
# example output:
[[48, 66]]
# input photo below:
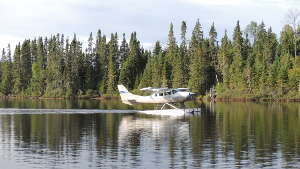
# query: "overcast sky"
[[22, 19]]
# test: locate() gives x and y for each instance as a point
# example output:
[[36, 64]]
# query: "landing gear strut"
[[168, 105]]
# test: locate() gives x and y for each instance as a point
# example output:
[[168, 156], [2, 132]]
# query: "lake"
[[95, 134]]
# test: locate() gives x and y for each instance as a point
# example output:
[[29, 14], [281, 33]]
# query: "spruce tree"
[[89, 80], [213, 51], [6, 78], [239, 59], [25, 64], [38, 84], [225, 57], [183, 52], [158, 62], [171, 56], [102, 62], [112, 74], [131, 69], [17, 76], [124, 51]]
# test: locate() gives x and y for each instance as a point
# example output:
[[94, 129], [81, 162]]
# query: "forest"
[[253, 63]]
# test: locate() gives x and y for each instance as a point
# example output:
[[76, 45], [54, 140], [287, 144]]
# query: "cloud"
[[150, 19], [214, 2], [285, 4]]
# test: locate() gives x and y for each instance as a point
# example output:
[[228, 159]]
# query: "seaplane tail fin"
[[124, 93]]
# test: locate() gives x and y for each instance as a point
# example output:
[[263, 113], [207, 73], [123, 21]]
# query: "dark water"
[[226, 135]]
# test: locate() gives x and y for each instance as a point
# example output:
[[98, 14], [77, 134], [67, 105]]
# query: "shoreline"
[[61, 98], [225, 99], [257, 100]]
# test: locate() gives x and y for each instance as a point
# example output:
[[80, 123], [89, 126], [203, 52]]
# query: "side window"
[[161, 94], [174, 91], [155, 94], [168, 93]]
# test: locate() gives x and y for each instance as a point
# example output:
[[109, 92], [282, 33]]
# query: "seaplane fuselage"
[[157, 97]]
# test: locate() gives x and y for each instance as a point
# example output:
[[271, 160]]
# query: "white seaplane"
[[163, 96]]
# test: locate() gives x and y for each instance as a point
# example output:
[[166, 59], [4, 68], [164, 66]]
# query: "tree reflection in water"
[[246, 135]]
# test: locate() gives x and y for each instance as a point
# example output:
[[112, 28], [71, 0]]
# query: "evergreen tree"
[[54, 75], [102, 62], [17, 76], [38, 84], [147, 75], [112, 75], [184, 57], [25, 64], [171, 57], [213, 52], [236, 69], [124, 51], [196, 39], [158, 66], [74, 53], [225, 57], [6, 78], [131, 69], [89, 79]]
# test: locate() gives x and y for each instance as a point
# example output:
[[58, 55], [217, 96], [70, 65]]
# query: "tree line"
[[253, 61]]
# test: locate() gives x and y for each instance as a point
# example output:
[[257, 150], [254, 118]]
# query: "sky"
[[28, 19]]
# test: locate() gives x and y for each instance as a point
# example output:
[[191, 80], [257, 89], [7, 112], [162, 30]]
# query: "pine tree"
[[6, 78], [17, 76], [72, 78], [196, 39], [225, 57], [238, 62], [25, 64], [38, 84], [131, 69], [200, 68], [213, 51], [175, 57], [158, 62], [102, 62], [147, 75], [54, 74], [183, 52], [89, 79], [171, 56], [124, 51], [112, 76]]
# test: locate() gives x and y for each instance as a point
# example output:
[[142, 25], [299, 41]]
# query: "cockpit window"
[[182, 90]]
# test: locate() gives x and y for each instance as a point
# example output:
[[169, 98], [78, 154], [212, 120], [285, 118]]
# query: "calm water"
[[79, 135]]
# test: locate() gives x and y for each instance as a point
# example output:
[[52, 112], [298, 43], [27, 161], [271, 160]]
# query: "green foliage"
[[6, 73], [112, 75], [251, 63]]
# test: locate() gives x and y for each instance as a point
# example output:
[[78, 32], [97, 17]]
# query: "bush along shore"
[[254, 63]]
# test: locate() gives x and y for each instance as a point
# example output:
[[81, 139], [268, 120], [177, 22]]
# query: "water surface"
[[80, 135]]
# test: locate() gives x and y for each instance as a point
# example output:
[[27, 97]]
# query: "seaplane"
[[165, 96]]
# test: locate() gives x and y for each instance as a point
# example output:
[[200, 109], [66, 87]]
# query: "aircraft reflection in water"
[[132, 128], [163, 96]]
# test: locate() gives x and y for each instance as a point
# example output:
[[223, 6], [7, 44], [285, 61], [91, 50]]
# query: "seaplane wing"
[[152, 89]]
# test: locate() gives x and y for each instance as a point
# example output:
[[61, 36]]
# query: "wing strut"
[[168, 105]]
